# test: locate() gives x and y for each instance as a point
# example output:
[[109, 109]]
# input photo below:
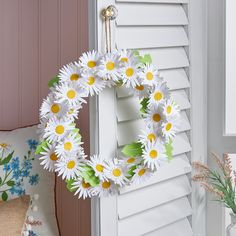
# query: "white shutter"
[[161, 206]]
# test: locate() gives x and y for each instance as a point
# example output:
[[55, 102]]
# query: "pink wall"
[[36, 38]]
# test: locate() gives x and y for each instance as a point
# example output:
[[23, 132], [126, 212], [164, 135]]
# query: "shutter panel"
[[161, 205]]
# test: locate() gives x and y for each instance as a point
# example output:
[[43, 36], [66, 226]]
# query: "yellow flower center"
[[74, 77], [156, 117], [124, 59], [139, 87], [141, 172], [85, 185], [116, 172], [151, 137], [106, 184], [99, 168], [158, 96], [55, 108], [168, 109], [168, 126], [71, 94], [129, 72], [110, 65], [153, 154], [91, 64], [60, 129], [91, 80], [3, 145], [149, 76], [71, 164], [68, 146], [131, 160], [53, 157]]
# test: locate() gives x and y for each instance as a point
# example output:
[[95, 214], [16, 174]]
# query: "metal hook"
[[110, 13]]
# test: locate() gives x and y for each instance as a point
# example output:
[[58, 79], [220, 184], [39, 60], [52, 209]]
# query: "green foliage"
[[70, 186], [169, 150], [41, 147], [53, 82], [10, 183], [4, 196], [144, 105], [6, 159], [131, 171], [133, 150], [89, 176]]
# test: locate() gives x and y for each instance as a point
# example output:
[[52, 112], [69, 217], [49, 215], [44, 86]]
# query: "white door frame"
[[198, 116]]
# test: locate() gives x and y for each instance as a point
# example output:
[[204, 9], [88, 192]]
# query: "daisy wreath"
[[60, 145]]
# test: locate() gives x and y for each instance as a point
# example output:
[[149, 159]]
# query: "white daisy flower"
[[48, 158], [159, 95], [70, 93], [141, 91], [130, 161], [141, 174], [170, 127], [130, 75], [92, 83], [98, 166], [154, 155], [148, 135], [170, 108], [115, 173], [104, 189], [70, 73], [70, 144], [154, 117], [149, 75], [109, 67], [51, 108], [4, 148], [89, 60], [57, 129], [83, 189], [41, 128], [69, 168], [127, 56], [73, 111]]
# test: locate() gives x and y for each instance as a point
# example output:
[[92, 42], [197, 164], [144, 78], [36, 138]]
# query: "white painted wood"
[[158, 14], [178, 166], [130, 130], [152, 196], [168, 58], [151, 37], [156, 217], [128, 108], [180, 228], [155, 1]]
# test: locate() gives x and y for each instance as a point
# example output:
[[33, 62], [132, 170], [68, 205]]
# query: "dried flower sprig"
[[221, 183]]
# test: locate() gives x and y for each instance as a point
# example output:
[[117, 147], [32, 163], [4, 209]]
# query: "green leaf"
[[131, 171], [4, 196], [53, 82], [144, 105], [41, 147], [169, 150], [70, 186], [89, 176], [146, 59], [0, 180], [133, 150], [136, 53], [10, 183], [7, 159]]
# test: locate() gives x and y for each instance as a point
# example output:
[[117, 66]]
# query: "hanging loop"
[[110, 13]]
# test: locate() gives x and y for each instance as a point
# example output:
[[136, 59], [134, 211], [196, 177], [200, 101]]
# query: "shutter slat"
[[180, 228], [129, 108], [151, 37], [152, 196], [155, 1], [159, 216], [130, 130], [158, 14], [178, 166]]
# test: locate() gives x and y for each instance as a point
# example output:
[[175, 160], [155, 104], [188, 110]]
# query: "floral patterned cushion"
[[21, 173]]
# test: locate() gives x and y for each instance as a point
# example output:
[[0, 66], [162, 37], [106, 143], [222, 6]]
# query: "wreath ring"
[[60, 149]]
